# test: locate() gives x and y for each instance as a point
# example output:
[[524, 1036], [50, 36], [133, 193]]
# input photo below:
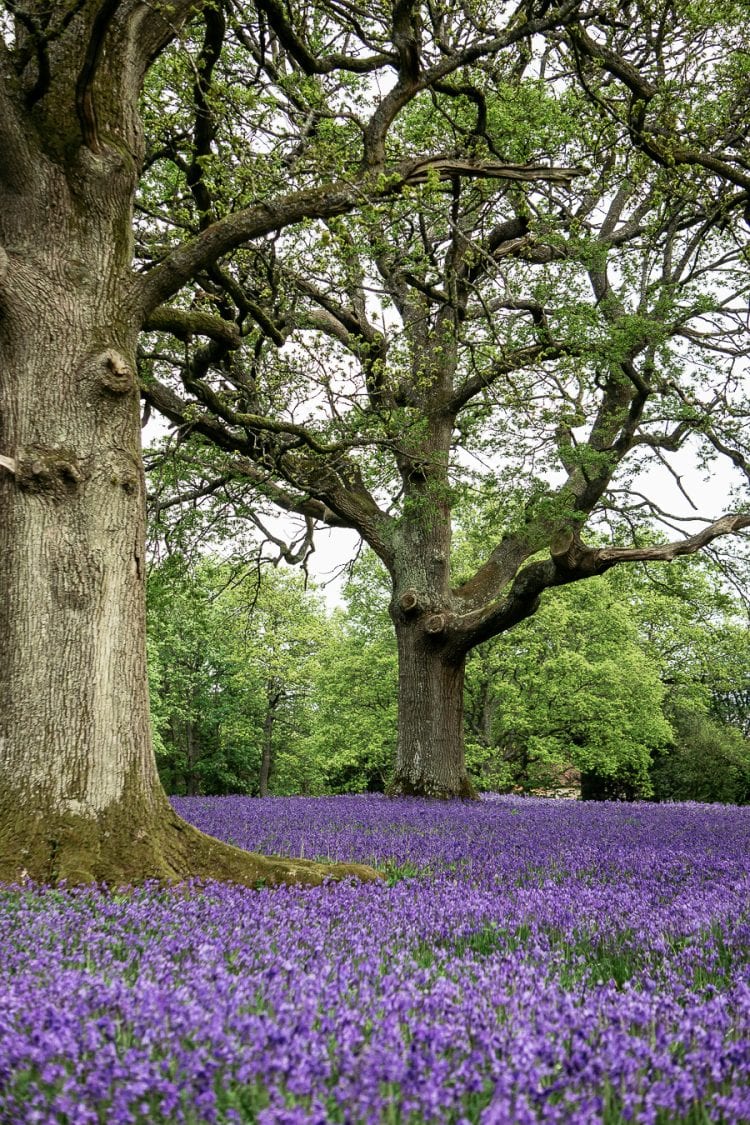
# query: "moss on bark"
[[119, 849]]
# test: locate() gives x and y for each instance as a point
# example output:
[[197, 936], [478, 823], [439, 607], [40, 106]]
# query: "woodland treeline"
[[635, 684]]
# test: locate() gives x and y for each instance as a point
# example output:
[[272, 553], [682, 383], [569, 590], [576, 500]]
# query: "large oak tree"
[[552, 337]]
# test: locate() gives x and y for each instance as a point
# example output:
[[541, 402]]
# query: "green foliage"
[[230, 666], [233, 664], [694, 631], [708, 761], [353, 723], [640, 680], [637, 680], [567, 689]]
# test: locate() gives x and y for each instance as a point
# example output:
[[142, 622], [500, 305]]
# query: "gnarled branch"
[[184, 324], [168, 276], [573, 559]]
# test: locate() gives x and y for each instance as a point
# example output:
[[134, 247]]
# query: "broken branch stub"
[[409, 601]]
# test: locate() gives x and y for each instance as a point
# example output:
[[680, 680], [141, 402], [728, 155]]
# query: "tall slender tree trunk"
[[192, 756], [267, 746], [80, 797]]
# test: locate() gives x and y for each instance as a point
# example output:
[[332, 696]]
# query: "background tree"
[[570, 689], [555, 335], [693, 629], [581, 687], [231, 673], [353, 725], [613, 679], [619, 684], [187, 662], [708, 761]]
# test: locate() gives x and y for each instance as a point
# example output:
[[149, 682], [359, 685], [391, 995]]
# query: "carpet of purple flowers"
[[524, 961]]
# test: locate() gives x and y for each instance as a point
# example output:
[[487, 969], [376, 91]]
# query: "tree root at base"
[[78, 851]]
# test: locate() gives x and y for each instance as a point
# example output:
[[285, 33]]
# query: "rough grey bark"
[[430, 749], [430, 760], [74, 726]]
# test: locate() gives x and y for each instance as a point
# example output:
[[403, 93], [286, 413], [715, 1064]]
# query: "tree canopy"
[[570, 328]]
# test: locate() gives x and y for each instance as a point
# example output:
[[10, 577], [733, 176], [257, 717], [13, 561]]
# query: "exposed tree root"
[[210, 858], [120, 851]]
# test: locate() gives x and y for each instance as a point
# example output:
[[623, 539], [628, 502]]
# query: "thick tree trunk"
[[430, 750], [430, 760], [79, 794], [74, 727]]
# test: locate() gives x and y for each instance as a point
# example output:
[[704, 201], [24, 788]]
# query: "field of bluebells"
[[523, 961]]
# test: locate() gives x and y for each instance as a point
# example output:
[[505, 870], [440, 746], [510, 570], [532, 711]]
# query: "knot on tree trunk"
[[110, 372], [435, 623], [409, 601], [54, 472], [571, 556]]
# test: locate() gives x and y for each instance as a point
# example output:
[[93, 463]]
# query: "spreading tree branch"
[[661, 144], [325, 487], [412, 80], [570, 561], [204, 132], [184, 324], [164, 279], [85, 107], [298, 50]]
